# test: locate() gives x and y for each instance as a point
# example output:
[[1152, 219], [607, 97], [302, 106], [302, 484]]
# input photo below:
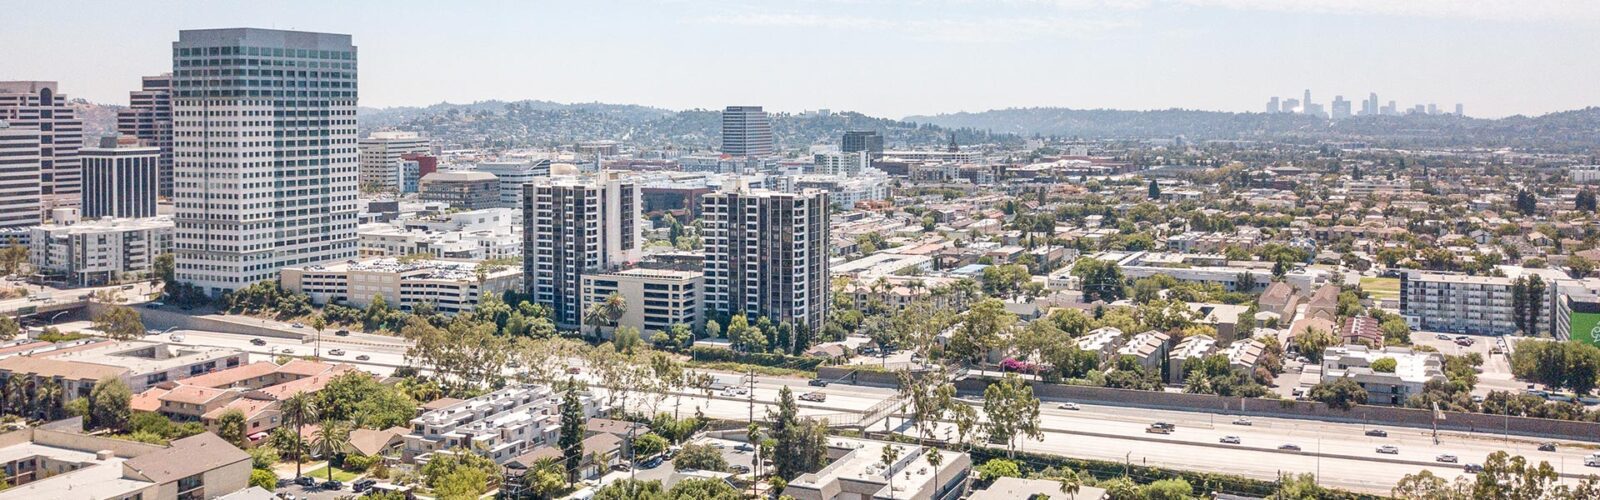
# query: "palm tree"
[[332, 439], [542, 468], [319, 324], [300, 408], [16, 400], [47, 395], [1070, 484], [606, 313]]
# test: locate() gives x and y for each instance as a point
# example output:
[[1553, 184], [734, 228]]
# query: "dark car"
[[1547, 447], [332, 485], [258, 342], [651, 463], [817, 382], [1290, 447], [1164, 425], [620, 467], [342, 333], [1378, 433], [741, 469], [306, 481], [362, 484]]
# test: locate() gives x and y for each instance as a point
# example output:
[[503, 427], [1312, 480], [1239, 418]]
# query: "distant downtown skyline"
[[891, 58]]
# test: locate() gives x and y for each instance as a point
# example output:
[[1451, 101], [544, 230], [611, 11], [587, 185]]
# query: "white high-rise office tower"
[[746, 131], [1371, 108], [767, 254], [1272, 105], [1460, 110], [149, 117], [38, 106], [574, 226], [119, 178], [1305, 104], [19, 176], [264, 150], [380, 157]]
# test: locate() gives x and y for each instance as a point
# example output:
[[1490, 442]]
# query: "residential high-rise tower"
[[264, 153], [575, 225], [767, 254]]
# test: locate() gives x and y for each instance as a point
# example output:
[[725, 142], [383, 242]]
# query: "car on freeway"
[[1157, 430], [286, 351], [1591, 462], [1243, 421], [1289, 447], [363, 357], [1547, 447], [176, 337], [1442, 337], [1378, 433], [1389, 449], [744, 447], [1472, 468], [342, 333], [1230, 440], [1165, 425], [336, 352], [817, 382], [257, 341], [297, 324], [1068, 406], [1449, 459], [814, 396]]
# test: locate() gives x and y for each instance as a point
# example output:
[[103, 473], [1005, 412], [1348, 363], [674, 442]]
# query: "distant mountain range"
[[544, 123], [1577, 130]]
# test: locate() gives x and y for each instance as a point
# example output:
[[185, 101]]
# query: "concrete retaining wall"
[[162, 319]]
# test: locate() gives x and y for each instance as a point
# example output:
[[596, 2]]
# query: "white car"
[[1243, 421], [1068, 406], [1230, 440], [1449, 459], [176, 337], [1389, 449]]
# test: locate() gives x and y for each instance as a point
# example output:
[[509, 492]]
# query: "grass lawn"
[[321, 474], [1383, 288], [1583, 336]]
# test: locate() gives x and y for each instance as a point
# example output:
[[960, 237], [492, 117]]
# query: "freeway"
[[1340, 453]]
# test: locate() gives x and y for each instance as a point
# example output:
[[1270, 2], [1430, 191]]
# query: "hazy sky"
[[882, 57]]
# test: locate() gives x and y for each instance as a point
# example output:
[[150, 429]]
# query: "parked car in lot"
[[362, 484], [1230, 440], [741, 469], [1449, 459], [1289, 447], [1389, 449], [257, 341], [1442, 336], [306, 481], [621, 467], [332, 485], [1377, 433], [1068, 406]]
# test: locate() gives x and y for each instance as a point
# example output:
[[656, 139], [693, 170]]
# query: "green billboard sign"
[[1584, 325]]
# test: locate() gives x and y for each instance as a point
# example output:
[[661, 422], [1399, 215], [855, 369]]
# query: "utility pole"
[[750, 380]]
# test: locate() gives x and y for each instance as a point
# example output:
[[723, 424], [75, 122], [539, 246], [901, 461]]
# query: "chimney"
[[104, 455]]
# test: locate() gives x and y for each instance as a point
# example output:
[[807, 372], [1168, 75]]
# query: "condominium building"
[[255, 390], [513, 175], [746, 131], [149, 117], [767, 254], [499, 425], [264, 153], [19, 176], [100, 251], [59, 461], [657, 298], [120, 178], [41, 107], [381, 154], [574, 226], [849, 163], [1412, 371], [461, 189], [845, 191], [1472, 304], [390, 240], [451, 286]]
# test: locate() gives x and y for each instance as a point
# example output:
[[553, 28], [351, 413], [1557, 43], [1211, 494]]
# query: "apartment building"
[[574, 226], [19, 176], [139, 363], [1412, 371], [465, 190], [451, 286], [500, 425], [264, 160], [99, 252], [848, 163], [1471, 304], [767, 254], [1191, 347], [149, 118], [1149, 348], [389, 240], [381, 155], [657, 298], [41, 107], [255, 390], [58, 461], [1103, 341], [120, 178]]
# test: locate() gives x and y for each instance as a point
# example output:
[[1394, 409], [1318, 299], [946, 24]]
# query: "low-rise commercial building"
[[856, 471], [390, 240], [138, 363], [451, 286], [461, 189]]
